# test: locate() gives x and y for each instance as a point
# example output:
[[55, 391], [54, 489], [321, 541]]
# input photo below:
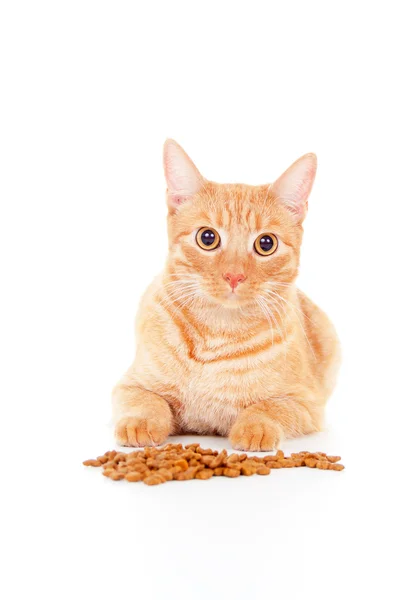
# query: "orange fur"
[[256, 363]]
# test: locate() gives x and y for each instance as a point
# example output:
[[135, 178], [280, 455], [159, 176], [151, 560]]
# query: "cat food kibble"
[[175, 462]]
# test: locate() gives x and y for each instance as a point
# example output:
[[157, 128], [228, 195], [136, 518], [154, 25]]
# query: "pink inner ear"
[[294, 186], [182, 177], [298, 199]]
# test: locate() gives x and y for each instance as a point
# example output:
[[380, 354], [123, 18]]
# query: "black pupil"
[[266, 243], [208, 237]]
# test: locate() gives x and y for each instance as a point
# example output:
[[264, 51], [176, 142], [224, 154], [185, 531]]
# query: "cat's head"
[[233, 244]]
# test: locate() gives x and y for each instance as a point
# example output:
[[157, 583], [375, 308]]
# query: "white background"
[[89, 92]]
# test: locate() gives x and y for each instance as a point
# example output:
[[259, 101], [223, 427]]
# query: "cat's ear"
[[292, 189], [182, 177]]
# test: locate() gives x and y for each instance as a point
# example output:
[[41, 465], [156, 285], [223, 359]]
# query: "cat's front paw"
[[139, 432], [255, 433]]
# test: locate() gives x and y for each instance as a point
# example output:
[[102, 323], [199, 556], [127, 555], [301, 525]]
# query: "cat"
[[226, 343]]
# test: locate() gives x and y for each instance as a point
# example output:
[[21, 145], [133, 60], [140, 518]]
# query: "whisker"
[[294, 309], [259, 301]]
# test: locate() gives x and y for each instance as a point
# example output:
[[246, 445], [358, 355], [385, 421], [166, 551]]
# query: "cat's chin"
[[230, 301]]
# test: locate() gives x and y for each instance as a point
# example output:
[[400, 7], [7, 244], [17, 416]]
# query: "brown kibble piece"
[[182, 464], [102, 459], [247, 470], [116, 476], [134, 476], [227, 472], [166, 474], [166, 464], [154, 479], [336, 467], [249, 463], [270, 458], [139, 466], [234, 466], [204, 474], [108, 472], [123, 470], [316, 455], [219, 459], [188, 454], [92, 463], [120, 457], [186, 475], [206, 452], [135, 460], [218, 471], [207, 460], [287, 463], [311, 462], [328, 466], [333, 459], [263, 471], [110, 464]]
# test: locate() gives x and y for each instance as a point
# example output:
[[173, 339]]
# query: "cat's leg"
[[142, 417], [262, 426]]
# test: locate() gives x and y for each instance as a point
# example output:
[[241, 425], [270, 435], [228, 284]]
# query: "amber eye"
[[207, 238], [266, 244]]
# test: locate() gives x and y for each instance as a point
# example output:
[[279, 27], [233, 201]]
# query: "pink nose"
[[234, 279]]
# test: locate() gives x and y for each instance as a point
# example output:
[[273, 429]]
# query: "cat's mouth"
[[231, 299]]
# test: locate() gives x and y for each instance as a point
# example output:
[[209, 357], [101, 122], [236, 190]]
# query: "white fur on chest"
[[215, 394]]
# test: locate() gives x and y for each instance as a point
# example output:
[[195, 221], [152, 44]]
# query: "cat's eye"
[[207, 238], [266, 244]]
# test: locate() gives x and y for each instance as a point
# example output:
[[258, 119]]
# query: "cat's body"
[[226, 343]]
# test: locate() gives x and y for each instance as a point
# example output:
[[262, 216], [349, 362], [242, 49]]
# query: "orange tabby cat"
[[227, 344]]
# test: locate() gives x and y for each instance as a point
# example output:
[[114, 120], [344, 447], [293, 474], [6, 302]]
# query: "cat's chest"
[[215, 393], [223, 369], [217, 376], [235, 381]]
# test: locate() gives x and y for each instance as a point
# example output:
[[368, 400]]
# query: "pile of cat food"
[[178, 463]]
